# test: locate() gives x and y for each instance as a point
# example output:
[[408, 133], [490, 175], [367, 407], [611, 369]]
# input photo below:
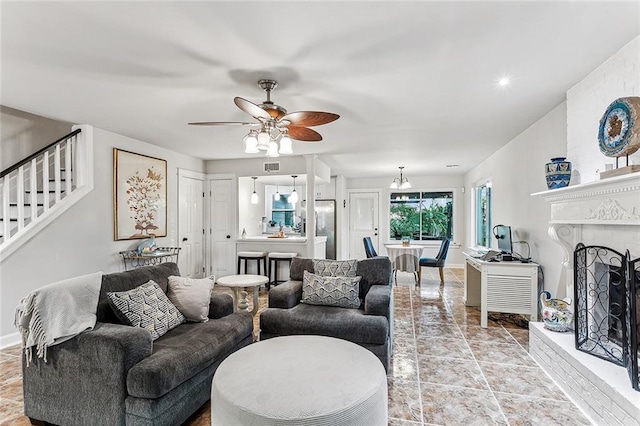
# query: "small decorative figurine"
[[556, 314], [147, 246]]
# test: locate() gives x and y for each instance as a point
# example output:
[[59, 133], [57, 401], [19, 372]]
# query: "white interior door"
[[190, 224], [223, 249], [363, 222]]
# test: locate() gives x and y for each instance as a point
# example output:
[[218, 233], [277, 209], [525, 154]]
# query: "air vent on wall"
[[271, 167]]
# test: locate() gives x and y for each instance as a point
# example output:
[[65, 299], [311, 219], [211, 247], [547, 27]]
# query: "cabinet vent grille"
[[271, 167]]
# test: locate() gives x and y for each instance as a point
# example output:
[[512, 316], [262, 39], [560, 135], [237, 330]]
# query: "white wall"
[[23, 134], [250, 215], [81, 240], [516, 171], [420, 183], [587, 101]]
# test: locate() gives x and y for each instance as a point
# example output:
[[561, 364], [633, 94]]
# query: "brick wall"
[[602, 390]]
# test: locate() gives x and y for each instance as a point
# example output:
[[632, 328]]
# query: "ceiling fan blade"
[[304, 134], [310, 118], [251, 108], [223, 123]]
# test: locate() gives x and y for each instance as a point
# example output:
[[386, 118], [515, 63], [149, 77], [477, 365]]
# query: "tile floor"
[[446, 369]]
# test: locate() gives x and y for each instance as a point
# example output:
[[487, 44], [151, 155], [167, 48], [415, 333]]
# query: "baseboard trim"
[[10, 340]]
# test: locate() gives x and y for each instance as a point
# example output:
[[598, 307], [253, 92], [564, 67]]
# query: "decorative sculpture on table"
[[556, 314], [619, 133]]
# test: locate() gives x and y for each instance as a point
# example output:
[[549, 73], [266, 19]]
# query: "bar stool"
[[258, 256], [274, 259]]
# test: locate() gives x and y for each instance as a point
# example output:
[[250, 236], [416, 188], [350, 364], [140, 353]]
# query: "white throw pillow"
[[191, 296]]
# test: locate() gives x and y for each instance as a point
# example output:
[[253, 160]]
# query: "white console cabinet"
[[510, 287]]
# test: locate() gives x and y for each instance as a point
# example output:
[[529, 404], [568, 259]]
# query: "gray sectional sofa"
[[115, 375], [370, 326]]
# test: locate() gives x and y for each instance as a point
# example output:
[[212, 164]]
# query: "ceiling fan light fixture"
[[285, 145], [251, 143], [272, 151], [263, 140]]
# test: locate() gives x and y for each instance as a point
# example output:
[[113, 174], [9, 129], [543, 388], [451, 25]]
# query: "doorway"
[[363, 222], [191, 223]]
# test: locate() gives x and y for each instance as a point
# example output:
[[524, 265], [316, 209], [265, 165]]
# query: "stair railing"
[[34, 187]]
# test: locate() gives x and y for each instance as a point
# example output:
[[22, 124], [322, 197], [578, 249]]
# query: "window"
[[421, 215], [282, 211], [483, 214]]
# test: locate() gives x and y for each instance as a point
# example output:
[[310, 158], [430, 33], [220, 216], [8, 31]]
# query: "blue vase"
[[558, 173]]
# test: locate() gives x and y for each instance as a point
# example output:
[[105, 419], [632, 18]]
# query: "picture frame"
[[139, 196]]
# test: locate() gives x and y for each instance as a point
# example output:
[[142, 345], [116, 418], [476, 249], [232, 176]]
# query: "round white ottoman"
[[300, 380]]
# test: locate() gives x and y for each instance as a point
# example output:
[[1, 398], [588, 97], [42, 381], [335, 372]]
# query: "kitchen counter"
[[295, 238], [292, 244]]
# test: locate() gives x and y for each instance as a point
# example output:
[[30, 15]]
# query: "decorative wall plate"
[[619, 131]]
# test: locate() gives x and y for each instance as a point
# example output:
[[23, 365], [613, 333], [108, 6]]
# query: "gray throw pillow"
[[330, 291], [147, 307], [335, 268], [191, 296]]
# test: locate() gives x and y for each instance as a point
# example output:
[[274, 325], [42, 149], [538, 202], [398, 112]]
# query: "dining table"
[[404, 259]]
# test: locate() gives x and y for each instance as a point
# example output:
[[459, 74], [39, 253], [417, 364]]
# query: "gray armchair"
[[370, 326]]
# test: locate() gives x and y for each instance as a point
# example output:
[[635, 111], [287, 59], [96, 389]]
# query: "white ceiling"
[[414, 82]]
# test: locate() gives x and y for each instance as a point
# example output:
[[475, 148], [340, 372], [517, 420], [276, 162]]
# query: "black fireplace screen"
[[606, 294], [632, 271]]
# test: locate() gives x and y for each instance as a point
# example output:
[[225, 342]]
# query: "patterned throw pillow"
[[191, 296], [335, 268], [330, 291], [147, 307]]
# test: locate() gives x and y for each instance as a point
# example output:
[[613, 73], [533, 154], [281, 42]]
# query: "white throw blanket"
[[57, 312]]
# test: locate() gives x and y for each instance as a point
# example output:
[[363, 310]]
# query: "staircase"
[[40, 187]]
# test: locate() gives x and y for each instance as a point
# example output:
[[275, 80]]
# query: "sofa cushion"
[[184, 351], [122, 281], [330, 291], [348, 324], [147, 307], [335, 268], [191, 296]]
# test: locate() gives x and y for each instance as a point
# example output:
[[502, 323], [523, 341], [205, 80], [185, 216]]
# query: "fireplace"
[[597, 214], [606, 304]]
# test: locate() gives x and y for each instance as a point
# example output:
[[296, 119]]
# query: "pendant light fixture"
[[276, 196], [293, 198], [254, 196], [401, 183]]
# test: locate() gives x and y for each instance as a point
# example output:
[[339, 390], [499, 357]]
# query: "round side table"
[[238, 283]]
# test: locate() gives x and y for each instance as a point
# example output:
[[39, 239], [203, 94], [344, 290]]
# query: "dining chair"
[[368, 247], [437, 262]]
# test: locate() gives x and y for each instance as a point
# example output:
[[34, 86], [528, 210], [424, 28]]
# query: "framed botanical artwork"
[[139, 196]]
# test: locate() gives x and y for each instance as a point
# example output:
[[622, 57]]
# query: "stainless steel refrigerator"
[[325, 223]]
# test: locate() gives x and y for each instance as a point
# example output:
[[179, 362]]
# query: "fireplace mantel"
[[603, 212], [613, 201]]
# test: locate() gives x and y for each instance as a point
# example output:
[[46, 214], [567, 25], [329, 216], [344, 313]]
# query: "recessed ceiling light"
[[504, 81]]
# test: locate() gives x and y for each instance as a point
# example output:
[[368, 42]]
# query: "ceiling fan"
[[273, 120]]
